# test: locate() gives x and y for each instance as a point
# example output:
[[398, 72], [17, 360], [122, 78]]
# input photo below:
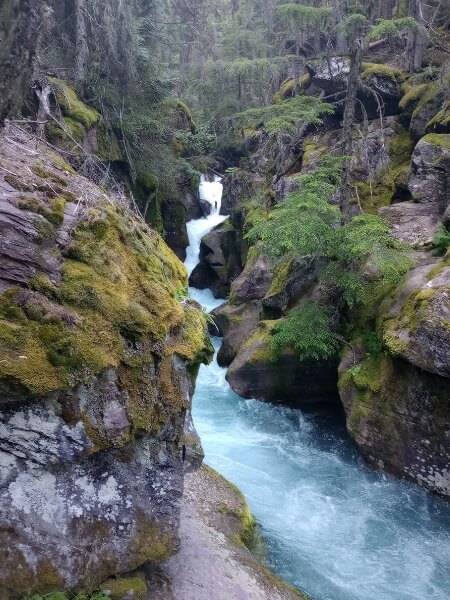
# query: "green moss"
[[441, 121], [17, 184], [121, 280], [53, 211], [438, 139], [72, 106], [434, 272], [370, 374], [39, 170], [74, 128], [289, 86], [150, 543], [282, 273], [427, 96], [118, 589], [108, 147], [413, 95], [396, 329], [60, 162], [258, 342], [380, 192], [375, 70]]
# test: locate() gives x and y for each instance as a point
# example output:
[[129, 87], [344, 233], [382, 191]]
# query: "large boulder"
[[430, 171], [235, 323], [414, 224], [414, 322], [96, 374], [255, 280], [399, 416], [424, 114], [291, 280], [19, 22], [381, 84], [254, 374]]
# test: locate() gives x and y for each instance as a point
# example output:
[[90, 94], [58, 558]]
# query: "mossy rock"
[[290, 86], [72, 107], [392, 179], [120, 279], [441, 140], [126, 588]]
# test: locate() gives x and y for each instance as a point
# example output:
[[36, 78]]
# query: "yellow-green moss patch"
[[438, 139], [72, 106], [118, 589], [375, 70], [121, 280]]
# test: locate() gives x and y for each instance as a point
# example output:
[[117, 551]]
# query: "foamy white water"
[[211, 191], [333, 527]]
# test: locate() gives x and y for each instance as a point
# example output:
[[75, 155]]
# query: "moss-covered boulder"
[[414, 321], [80, 129], [255, 374], [235, 323], [98, 357], [427, 108], [398, 415], [379, 82], [430, 170]]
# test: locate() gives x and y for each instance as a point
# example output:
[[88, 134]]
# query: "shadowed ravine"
[[333, 527]]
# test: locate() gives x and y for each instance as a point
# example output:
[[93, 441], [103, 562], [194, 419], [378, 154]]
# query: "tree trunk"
[[43, 94], [415, 42], [82, 48], [349, 209], [350, 99]]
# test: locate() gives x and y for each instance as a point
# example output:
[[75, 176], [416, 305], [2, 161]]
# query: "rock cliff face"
[[397, 402], [20, 20], [98, 359]]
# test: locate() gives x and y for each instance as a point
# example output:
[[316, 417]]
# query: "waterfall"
[[211, 192]]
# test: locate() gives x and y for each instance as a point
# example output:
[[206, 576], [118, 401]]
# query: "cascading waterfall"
[[211, 192], [333, 527]]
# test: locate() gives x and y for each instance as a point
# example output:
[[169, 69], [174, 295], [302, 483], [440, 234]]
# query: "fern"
[[307, 330]]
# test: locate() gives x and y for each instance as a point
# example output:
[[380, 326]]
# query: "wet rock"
[[96, 377], [414, 224], [292, 279], [430, 171], [175, 216], [425, 112], [414, 321], [254, 374], [254, 281], [220, 261], [235, 323], [399, 416]]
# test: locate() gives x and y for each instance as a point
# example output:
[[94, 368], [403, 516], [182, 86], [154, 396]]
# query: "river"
[[333, 527]]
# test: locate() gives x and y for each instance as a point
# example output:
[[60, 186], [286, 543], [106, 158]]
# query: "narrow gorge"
[[224, 300]]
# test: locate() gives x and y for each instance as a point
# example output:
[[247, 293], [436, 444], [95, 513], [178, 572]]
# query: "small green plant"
[[308, 331], [441, 241], [64, 596], [182, 293], [372, 343]]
